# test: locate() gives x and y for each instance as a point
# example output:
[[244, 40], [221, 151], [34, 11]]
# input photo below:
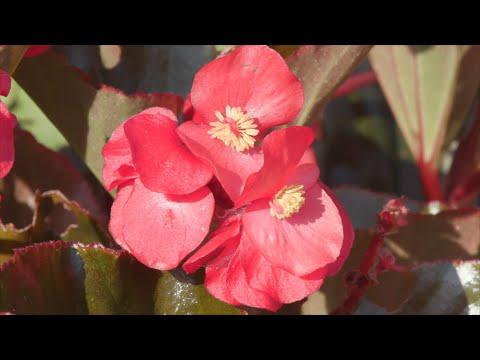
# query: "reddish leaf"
[[58, 278], [38, 168], [84, 115], [448, 236], [463, 180], [10, 56], [42, 279], [321, 68], [427, 87]]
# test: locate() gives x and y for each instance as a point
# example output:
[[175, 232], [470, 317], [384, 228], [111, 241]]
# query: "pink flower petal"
[[225, 279], [230, 167], [227, 233], [283, 150], [7, 149], [118, 167], [279, 284], [241, 290], [189, 112], [36, 50], [162, 161], [159, 230], [116, 214], [255, 78], [5, 83], [307, 241]]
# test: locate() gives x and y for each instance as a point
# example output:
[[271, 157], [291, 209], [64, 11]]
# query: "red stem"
[[431, 182], [359, 289], [355, 82]]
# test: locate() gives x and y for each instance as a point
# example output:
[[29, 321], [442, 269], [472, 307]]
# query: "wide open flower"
[[235, 100], [286, 234], [7, 149], [163, 209]]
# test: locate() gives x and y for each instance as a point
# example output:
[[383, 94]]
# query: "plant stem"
[[430, 182], [355, 82], [364, 282]]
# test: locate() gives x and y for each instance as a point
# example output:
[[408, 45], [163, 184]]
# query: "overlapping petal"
[[162, 161], [255, 78], [305, 242], [117, 167], [222, 238], [278, 284], [231, 167], [225, 278], [160, 230], [283, 150]]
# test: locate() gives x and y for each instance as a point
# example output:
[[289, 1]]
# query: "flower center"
[[236, 128], [287, 201]]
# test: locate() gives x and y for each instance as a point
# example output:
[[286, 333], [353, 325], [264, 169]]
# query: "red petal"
[[230, 167], [307, 241], [189, 112], [226, 280], [7, 149], [160, 231], [116, 214], [36, 50], [118, 167], [5, 83], [240, 288], [220, 240], [279, 284], [283, 150], [163, 163], [349, 236], [256, 78]]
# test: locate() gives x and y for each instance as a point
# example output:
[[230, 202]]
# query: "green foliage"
[[61, 278]]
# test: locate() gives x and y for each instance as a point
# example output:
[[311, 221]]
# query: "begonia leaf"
[[61, 278], [321, 68]]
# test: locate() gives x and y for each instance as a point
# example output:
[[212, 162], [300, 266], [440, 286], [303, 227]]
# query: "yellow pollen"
[[287, 201], [236, 128]]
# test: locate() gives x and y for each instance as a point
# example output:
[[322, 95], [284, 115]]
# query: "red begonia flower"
[[5, 83], [36, 50], [293, 232], [231, 168], [7, 149], [235, 99], [158, 226], [160, 230], [159, 156], [254, 78]]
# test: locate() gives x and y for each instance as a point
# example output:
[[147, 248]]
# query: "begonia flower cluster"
[[234, 189]]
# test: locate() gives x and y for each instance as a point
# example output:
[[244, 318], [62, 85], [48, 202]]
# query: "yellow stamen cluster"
[[236, 129], [287, 201]]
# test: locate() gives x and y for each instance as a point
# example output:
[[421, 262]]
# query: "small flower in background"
[[286, 234], [5, 83], [36, 50], [7, 124], [163, 209], [235, 100]]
